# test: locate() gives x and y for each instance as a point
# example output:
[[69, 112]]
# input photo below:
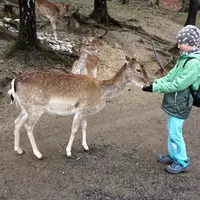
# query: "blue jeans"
[[176, 143]]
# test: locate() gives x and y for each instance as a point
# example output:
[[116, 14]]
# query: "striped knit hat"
[[189, 35]]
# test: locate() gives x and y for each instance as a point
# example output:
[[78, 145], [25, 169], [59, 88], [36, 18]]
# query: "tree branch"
[[157, 58]]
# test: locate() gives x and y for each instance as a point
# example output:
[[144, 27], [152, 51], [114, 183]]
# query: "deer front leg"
[[53, 23], [19, 122], [75, 126], [84, 141]]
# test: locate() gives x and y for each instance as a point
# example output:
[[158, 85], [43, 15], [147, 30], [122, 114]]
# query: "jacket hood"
[[195, 53], [196, 49]]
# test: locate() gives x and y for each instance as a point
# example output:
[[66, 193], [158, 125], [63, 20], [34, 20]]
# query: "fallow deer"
[[88, 62], [53, 11], [63, 94]]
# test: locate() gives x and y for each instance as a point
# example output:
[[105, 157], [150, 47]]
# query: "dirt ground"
[[124, 137]]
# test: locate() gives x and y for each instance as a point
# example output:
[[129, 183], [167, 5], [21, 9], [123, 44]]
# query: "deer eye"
[[138, 70]]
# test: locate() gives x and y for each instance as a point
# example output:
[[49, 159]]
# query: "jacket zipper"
[[175, 97]]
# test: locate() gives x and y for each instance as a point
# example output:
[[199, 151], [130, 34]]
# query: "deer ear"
[[76, 10], [66, 6], [83, 41], [127, 58], [136, 55], [91, 39]]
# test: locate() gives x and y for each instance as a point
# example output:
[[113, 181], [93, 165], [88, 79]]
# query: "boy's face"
[[184, 48]]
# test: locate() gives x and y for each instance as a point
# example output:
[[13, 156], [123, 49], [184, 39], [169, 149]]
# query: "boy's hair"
[[189, 35]]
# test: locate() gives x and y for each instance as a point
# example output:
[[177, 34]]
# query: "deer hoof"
[[69, 154], [20, 151], [69, 157], [85, 146], [39, 155], [40, 158]]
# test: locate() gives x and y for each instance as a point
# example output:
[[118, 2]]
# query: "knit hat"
[[189, 35]]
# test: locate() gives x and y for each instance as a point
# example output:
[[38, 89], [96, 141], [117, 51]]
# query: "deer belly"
[[45, 12], [61, 107], [95, 109]]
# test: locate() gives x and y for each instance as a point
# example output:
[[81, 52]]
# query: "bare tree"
[[124, 1], [8, 8], [100, 13], [191, 18], [192, 12], [27, 38], [154, 2], [185, 5]]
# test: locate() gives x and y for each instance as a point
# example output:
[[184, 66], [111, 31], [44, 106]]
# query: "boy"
[[177, 101]]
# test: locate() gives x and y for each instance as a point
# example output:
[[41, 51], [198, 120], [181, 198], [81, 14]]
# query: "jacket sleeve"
[[187, 76], [165, 78]]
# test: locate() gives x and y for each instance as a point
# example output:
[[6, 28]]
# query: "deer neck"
[[115, 85], [82, 63], [61, 9]]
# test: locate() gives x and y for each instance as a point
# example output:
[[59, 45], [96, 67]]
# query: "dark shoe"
[[166, 159], [177, 167]]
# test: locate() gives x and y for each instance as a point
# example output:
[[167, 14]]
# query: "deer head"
[[135, 72], [69, 10], [88, 46]]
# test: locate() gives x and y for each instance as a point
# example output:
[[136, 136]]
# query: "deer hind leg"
[[75, 126], [19, 122], [29, 125], [53, 23], [84, 141]]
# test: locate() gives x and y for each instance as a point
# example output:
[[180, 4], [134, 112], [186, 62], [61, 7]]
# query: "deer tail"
[[12, 91]]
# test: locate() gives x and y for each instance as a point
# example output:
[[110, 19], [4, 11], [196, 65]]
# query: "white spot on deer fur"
[[73, 101], [28, 3]]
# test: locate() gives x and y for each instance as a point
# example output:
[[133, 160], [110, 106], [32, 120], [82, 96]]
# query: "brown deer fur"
[[63, 94], [53, 11], [88, 62]]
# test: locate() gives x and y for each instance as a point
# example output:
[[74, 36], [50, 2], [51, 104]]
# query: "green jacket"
[[177, 99]]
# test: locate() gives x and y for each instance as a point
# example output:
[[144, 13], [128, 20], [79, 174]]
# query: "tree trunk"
[[154, 2], [100, 12], [8, 10], [27, 38], [185, 5], [191, 19], [192, 13], [124, 1]]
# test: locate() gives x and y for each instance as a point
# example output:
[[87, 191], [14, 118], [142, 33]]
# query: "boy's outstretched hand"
[[148, 88]]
